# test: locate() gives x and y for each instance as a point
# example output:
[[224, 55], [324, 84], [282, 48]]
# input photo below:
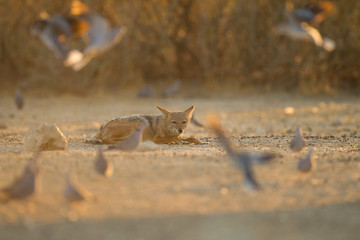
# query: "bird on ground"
[[242, 159], [173, 89], [146, 92], [100, 36], [73, 192], [19, 99], [130, 143], [27, 184], [299, 29], [307, 164], [102, 165], [298, 142]]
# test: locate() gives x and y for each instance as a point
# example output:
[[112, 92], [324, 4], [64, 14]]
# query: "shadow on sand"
[[326, 222]]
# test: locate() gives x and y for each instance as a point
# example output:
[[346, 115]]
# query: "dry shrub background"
[[214, 43]]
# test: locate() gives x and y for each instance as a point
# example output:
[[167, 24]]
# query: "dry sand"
[[189, 191]]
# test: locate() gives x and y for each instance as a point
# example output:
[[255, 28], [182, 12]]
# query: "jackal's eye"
[[184, 122], [173, 122]]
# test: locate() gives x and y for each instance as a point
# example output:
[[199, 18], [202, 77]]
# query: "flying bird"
[[298, 142], [73, 192], [130, 143], [19, 99], [243, 160], [54, 31], [27, 184], [102, 165], [101, 37], [307, 164], [299, 28]]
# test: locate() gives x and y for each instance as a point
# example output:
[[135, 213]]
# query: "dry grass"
[[213, 42]]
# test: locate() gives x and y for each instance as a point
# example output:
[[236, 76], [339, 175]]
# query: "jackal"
[[165, 128]]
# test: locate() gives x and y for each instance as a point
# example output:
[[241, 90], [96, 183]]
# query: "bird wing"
[[313, 33], [88, 20]]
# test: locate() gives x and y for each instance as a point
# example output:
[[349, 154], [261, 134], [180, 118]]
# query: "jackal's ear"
[[163, 111], [190, 110]]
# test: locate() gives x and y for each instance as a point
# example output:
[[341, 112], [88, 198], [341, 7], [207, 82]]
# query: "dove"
[[100, 36], [19, 99], [27, 184], [146, 92], [102, 165], [173, 89], [130, 143], [302, 30], [73, 192], [54, 31], [298, 142], [243, 159], [306, 164]]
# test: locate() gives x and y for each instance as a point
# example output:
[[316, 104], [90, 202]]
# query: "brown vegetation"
[[210, 42]]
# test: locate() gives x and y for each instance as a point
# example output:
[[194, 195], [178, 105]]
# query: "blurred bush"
[[215, 44]]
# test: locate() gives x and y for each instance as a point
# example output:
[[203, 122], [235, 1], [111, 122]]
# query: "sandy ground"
[[189, 191]]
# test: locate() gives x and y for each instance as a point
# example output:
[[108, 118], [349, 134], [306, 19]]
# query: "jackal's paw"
[[192, 140]]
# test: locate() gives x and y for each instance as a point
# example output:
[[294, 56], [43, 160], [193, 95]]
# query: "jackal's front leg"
[[167, 139], [191, 140]]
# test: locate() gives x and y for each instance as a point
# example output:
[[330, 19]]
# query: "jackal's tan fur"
[[165, 128]]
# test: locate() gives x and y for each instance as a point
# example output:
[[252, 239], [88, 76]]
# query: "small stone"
[[46, 137]]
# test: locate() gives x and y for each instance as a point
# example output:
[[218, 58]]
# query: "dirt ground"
[[189, 191]]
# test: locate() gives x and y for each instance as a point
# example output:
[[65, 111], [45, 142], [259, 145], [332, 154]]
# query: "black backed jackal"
[[165, 128]]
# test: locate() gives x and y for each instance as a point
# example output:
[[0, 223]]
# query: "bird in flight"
[[56, 32], [242, 159], [299, 24]]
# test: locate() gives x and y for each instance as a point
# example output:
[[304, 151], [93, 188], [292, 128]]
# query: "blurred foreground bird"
[[243, 160], [297, 26], [73, 192], [27, 184], [102, 165], [173, 89], [19, 99], [55, 31], [307, 164], [146, 92], [298, 142], [130, 143]]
